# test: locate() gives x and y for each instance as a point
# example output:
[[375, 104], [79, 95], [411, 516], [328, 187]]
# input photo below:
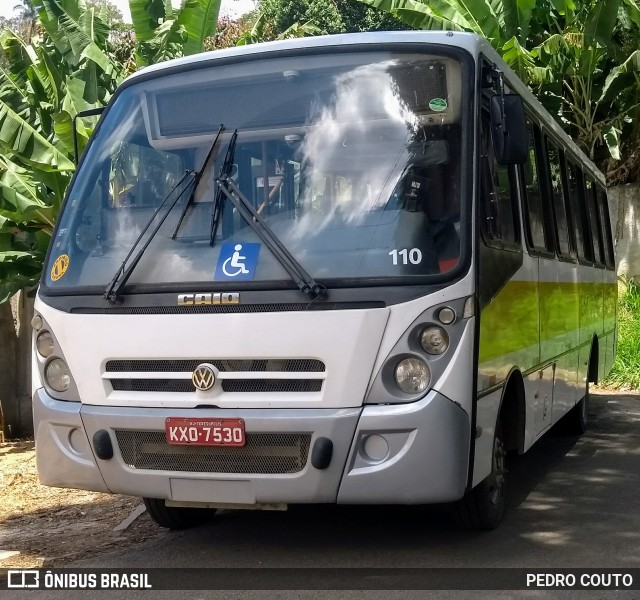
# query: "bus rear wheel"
[[484, 506], [173, 517], [577, 419]]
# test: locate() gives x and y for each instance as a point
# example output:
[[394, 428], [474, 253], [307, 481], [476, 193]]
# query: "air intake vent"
[[263, 453], [288, 365], [224, 309], [272, 385]]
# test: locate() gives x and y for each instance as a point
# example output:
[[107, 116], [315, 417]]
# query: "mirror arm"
[[504, 109], [84, 113], [498, 86]]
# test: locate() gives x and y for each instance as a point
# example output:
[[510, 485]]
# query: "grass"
[[626, 369]]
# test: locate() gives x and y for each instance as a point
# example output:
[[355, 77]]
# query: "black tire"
[[577, 419], [173, 517], [484, 506]]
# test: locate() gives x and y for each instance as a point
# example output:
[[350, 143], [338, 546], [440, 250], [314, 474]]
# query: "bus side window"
[[563, 234], [580, 218], [536, 222], [607, 237], [497, 200], [596, 223]]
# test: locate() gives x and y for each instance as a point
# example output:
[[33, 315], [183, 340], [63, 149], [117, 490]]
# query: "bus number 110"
[[413, 256]]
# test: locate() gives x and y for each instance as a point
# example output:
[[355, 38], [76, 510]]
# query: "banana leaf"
[[19, 138], [199, 18]]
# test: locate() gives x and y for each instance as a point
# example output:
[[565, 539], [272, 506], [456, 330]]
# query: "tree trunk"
[[8, 397], [24, 313], [15, 366]]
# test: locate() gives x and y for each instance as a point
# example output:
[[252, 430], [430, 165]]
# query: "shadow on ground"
[[571, 503]]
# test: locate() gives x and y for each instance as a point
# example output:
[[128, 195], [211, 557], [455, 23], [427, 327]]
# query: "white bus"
[[355, 269]]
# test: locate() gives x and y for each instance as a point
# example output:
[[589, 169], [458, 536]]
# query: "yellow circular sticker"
[[59, 267]]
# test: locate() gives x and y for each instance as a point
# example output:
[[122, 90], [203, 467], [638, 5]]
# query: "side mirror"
[[509, 129]]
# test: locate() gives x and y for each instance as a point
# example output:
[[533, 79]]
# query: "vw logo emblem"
[[204, 377]]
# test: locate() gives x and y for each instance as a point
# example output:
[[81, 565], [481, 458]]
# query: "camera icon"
[[23, 578]]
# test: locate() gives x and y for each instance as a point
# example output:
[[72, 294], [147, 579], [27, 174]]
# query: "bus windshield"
[[352, 159]]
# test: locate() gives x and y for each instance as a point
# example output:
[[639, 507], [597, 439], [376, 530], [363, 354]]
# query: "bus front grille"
[[287, 365], [263, 453], [293, 375]]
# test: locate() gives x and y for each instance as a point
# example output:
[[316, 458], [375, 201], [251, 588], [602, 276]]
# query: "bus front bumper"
[[384, 454]]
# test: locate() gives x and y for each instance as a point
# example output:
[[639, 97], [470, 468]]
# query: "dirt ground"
[[50, 527]]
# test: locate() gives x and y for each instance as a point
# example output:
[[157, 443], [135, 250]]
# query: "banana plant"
[[163, 32], [505, 23], [569, 51], [594, 73], [68, 68], [65, 69], [32, 168], [260, 32]]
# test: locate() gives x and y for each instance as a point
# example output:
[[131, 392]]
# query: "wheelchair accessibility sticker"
[[237, 261]]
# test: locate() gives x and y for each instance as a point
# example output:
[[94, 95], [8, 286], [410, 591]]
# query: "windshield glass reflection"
[[352, 160]]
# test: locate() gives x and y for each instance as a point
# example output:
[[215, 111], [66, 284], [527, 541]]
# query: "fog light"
[[446, 315], [57, 375], [44, 344], [412, 375], [376, 448], [434, 340]]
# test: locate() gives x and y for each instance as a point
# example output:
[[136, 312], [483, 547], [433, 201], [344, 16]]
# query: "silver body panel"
[[428, 456], [423, 465]]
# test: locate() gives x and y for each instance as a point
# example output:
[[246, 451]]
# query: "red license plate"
[[204, 432]]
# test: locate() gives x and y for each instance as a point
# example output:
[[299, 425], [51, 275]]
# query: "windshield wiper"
[[112, 293], [296, 271], [218, 203], [196, 181]]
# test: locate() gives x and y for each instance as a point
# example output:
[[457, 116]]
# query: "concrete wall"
[[624, 208]]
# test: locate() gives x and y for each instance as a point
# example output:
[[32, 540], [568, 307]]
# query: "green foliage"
[[199, 19], [111, 15], [357, 17], [122, 40], [167, 42], [263, 30], [581, 57], [75, 63], [65, 69], [283, 14], [281, 19], [229, 31], [625, 372], [163, 32]]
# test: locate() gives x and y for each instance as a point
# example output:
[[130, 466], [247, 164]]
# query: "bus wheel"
[[484, 506], [577, 419], [173, 517]]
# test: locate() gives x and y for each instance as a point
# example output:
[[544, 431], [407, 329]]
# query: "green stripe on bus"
[[555, 315]]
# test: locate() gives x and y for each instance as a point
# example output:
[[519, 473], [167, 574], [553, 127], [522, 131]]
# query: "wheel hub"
[[498, 472]]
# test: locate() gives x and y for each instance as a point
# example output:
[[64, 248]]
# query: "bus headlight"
[[57, 375], [434, 340], [44, 344], [37, 322], [412, 375]]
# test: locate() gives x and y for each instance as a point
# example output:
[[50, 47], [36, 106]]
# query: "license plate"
[[204, 432]]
